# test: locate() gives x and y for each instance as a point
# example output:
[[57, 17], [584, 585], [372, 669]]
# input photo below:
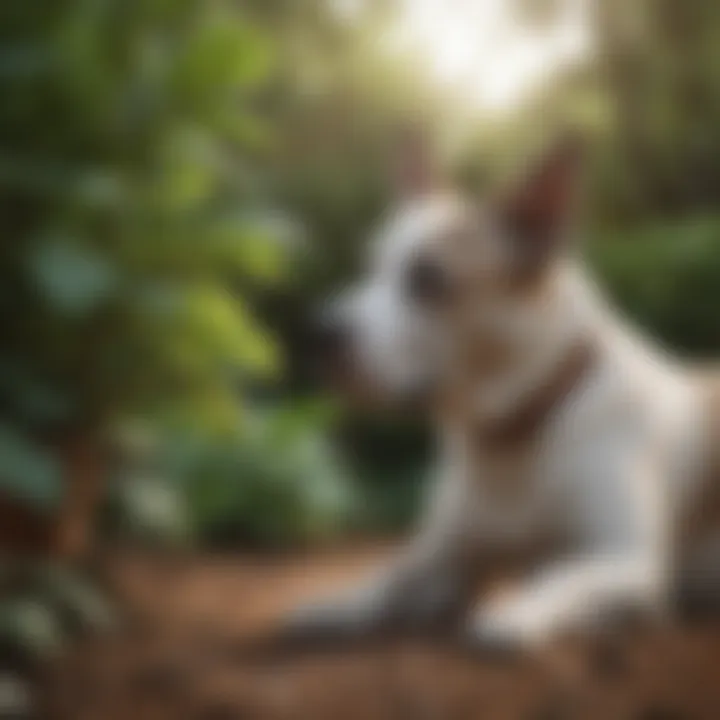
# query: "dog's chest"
[[517, 469], [514, 492]]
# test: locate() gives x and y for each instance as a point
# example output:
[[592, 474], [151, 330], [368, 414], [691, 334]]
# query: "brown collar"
[[531, 414]]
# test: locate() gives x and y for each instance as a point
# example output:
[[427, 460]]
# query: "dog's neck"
[[548, 359]]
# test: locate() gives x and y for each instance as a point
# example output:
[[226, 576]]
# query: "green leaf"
[[27, 471], [34, 399], [74, 280], [100, 189], [204, 331], [190, 169], [253, 246], [223, 54], [154, 509], [225, 325], [32, 625], [24, 61], [81, 606]]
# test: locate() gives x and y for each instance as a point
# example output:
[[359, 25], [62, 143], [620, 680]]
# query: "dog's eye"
[[427, 282]]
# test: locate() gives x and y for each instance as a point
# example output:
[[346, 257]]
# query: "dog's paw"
[[505, 627]]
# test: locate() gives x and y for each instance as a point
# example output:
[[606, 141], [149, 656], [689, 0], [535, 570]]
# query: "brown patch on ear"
[[537, 214]]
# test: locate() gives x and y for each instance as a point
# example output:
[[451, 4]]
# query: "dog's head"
[[453, 284]]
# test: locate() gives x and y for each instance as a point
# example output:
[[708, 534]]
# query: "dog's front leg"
[[622, 567], [426, 587], [570, 596]]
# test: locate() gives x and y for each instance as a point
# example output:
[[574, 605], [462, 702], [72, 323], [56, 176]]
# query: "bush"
[[277, 482], [667, 277], [133, 220]]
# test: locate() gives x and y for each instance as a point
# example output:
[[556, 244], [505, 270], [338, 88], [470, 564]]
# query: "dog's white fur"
[[618, 464]]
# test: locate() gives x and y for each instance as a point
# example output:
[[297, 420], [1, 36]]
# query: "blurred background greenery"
[[182, 180]]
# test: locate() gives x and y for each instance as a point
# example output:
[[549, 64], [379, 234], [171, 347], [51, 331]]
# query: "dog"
[[568, 442]]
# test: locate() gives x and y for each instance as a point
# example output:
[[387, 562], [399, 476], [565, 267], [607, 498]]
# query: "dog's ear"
[[415, 169], [537, 214]]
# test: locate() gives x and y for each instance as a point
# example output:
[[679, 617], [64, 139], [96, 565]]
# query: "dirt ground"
[[198, 649]]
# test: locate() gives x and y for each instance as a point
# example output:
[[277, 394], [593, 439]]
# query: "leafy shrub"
[[132, 216], [44, 606], [276, 482], [667, 277]]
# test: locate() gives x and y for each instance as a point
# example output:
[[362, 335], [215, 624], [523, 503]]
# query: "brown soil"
[[195, 652]]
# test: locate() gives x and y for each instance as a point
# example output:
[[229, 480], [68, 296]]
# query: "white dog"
[[564, 436]]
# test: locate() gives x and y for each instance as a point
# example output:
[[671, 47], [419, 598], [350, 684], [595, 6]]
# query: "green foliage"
[[137, 193], [151, 153], [30, 624], [277, 482], [660, 65], [28, 471], [135, 225], [667, 276], [42, 608], [149, 511]]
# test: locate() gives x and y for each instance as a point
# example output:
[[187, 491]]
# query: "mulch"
[[199, 646]]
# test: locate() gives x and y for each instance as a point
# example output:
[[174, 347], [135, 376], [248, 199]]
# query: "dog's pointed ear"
[[415, 170], [538, 212]]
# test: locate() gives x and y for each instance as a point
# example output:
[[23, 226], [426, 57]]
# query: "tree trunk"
[[84, 470], [24, 530]]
